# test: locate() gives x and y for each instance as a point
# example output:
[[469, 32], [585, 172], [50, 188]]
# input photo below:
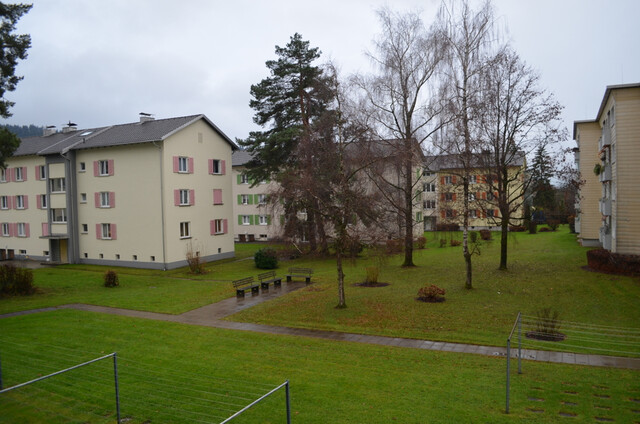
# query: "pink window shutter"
[[223, 167], [114, 234], [27, 231], [217, 196], [10, 202], [39, 201], [38, 172], [14, 230], [24, 173], [110, 165], [212, 227], [97, 199], [45, 229], [99, 231], [112, 199], [14, 200], [96, 168], [192, 197], [176, 164], [25, 200], [10, 172], [210, 166], [190, 165], [225, 226], [176, 197]]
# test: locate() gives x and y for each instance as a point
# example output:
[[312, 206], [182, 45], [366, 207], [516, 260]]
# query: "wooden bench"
[[269, 277], [245, 284], [300, 272]]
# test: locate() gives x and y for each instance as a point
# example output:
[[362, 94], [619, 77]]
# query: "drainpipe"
[[164, 249]]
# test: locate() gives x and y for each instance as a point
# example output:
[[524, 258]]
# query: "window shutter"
[[442, 180], [454, 197], [484, 195], [250, 199], [223, 167], [176, 197], [251, 221], [495, 195], [210, 166], [13, 230], [24, 173], [176, 164], [112, 199], [39, 201], [96, 168], [96, 197], [212, 227], [484, 214], [453, 179], [268, 219], [9, 202], [239, 199], [110, 165], [38, 172], [239, 178], [190, 171], [45, 229], [225, 226], [256, 219], [25, 201], [114, 234], [442, 213], [478, 195], [239, 219], [217, 196], [99, 231], [192, 197], [442, 197], [27, 231], [255, 199]]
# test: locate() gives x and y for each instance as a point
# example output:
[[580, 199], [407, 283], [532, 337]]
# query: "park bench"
[[269, 277], [300, 272], [246, 284]]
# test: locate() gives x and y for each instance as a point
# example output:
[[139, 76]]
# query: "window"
[[473, 179], [3, 175], [57, 185], [183, 164], [217, 226], [244, 179], [246, 220], [449, 213], [447, 180], [5, 230], [490, 196], [185, 230], [85, 228], [429, 204], [473, 213], [4, 202], [106, 232], [491, 213], [43, 201], [22, 232], [104, 199], [83, 167], [184, 197], [263, 219], [430, 187], [448, 196], [103, 167], [23, 252], [83, 197], [18, 174], [216, 166], [472, 197], [20, 202], [262, 199], [42, 172], [59, 216], [244, 199]]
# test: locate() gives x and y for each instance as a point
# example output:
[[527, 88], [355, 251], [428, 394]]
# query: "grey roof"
[[115, 135], [240, 157], [442, 162]]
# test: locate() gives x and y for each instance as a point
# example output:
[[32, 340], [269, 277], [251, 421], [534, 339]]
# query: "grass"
[[171, 373]]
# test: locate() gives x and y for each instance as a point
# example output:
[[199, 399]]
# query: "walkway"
[[211, 316]]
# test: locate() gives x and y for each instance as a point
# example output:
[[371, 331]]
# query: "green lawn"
[[174, 373]]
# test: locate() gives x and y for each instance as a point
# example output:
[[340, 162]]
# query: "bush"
[[605, 261], [196, 266], [421, 242], [485, 234], [455, 242], [373, 273], [517, 228], [431, 293], [16, 281], [533, 227], [547, 326], [394, 246], [111, 279], [443, 242], [473, 236], [447, 227], [544, 230], [266, 258], [553, 224]]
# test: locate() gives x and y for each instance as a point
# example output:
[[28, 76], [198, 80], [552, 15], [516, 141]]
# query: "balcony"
[[605, 207], [605, 139], [605, 173], [605, 237]]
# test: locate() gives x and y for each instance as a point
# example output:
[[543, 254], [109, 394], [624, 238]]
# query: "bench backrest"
[[267, 275], [243, 282], [300, 271]]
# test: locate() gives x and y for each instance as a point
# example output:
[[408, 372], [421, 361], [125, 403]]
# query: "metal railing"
[[518, 325], [255, 402]]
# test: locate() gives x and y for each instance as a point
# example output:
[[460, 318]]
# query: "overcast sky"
[[102, 62]]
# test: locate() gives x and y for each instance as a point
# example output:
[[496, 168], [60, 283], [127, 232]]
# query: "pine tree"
[[541, 173]]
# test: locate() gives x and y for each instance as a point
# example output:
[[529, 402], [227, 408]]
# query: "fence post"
[[115, 374], [508, 371], [286, 390], [519, 343]]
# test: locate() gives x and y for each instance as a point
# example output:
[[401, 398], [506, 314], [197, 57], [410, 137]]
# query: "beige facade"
[[588, 216], [617, 156], [138, 194]]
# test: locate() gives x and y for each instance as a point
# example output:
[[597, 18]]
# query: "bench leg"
[[239, 293], [307, 280], [277, 283], [288, 278], [264, 286], [255, 290]]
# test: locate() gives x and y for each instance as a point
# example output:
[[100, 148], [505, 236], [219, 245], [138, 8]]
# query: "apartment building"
[[140, 194], [253, 216], [608, 157], [443, 192]]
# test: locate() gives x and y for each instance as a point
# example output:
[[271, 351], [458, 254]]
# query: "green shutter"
[[239, 199], [255, 199], [239, 178], [251, 181], [268, 219], [250, 199], [239, 219], [257, 219], [418, 216], [281, 219], [251, 219]]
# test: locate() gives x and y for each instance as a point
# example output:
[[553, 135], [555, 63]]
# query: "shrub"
[[447, 227], [16, 281], [547, 326], [605, 261], [544, 230], [443, 242], [553, 224], [517, 228], [455, 242], [473, 236], [111, 279], [266, 258], [394, 246], [485, 234], [196, 266], [431, 293], [533, 227], [372, 274], [421, 242]]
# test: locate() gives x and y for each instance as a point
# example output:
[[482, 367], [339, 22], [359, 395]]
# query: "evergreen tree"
[[12, 48], [541, 173]]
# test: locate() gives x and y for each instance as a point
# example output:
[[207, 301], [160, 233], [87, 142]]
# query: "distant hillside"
[[24, 131]]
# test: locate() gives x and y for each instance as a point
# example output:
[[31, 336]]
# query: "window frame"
[[63, 215], [21, 229], [218, 226], [244, 199], [4, 202], [246, 219], [104, 199], [244, 179], [17, 174], [216, 167], [105, 231], [42, 172], [6, 229], [184, 197], [103, 168], [20, 201], [61, 183], [263, 220], [3, 175], [185, 230], [183, 165]]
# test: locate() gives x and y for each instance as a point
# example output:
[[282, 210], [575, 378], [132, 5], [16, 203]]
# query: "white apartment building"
[[138, 194]]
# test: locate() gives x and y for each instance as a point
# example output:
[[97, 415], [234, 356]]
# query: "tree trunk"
[[408, 205], [468, 284], [339, 246], [504, 238]]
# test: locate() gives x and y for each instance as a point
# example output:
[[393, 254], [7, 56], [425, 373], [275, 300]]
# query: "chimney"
[[70, 127], [146, 117], [49, 130]]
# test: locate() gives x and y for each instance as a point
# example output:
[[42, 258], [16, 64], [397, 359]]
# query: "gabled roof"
[[240, 157], [452, 161], [115, 135], [608, 91]]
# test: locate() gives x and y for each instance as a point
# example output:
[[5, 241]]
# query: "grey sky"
[[101, 62]]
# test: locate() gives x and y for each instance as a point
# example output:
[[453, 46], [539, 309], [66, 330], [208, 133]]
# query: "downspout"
[[164, 251]]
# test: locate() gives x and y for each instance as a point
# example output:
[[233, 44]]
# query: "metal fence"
[[516, 325]]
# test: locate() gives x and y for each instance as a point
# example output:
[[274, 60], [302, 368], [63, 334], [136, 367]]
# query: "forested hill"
[[24, 131]]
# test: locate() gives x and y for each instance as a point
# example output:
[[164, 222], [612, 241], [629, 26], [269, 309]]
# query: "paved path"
[[211, 316]]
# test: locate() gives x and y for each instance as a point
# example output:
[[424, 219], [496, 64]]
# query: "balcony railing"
[[605, 173], [605, 207], [605, 237]]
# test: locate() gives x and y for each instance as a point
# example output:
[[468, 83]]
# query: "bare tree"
[[402, 107], [518, 116], [469, 37]]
